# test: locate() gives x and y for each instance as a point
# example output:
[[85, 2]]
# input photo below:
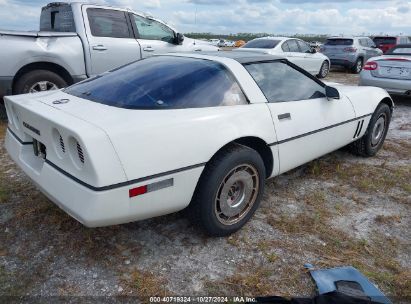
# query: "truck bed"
[[36, 33]]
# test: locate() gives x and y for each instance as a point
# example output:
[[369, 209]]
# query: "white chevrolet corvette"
[[202, 131]]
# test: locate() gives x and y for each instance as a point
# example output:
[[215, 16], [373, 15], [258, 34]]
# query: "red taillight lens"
[[350, 49], [371, 66], [397, 59], [137, 191]]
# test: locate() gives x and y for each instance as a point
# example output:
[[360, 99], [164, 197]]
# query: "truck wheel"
[[229, 191], [39, 81], [325, 68], [376, 132], [3, 114], [357, 68]]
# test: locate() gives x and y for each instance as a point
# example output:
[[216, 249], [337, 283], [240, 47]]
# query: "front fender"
[[365, 100]]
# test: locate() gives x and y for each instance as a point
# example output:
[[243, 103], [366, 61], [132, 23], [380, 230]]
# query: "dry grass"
[[364, 177], [3, 127], [146, 284], [244, 283], [388, 219], [400, 148]]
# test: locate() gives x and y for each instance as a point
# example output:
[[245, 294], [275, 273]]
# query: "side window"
[[292, 44], [108, 23], [304, 47], [278, 81], [364, 42], [371, 43], [285, 47], [153, 30]]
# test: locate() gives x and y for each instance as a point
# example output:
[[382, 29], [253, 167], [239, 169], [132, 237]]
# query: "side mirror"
[[332, 93], [179, 38]]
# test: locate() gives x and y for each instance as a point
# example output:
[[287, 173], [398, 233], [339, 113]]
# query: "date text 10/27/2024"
[[196, 299]]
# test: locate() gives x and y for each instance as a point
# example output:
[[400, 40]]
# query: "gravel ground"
[[338, 210]]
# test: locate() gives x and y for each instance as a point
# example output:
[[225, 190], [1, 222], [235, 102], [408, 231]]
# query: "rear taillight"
[[371, 66], [350, 49], [397, 59]]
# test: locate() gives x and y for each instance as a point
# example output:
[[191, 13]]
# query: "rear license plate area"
[[39, 149], [395, 72]]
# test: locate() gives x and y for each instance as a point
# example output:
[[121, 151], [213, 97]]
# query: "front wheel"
[[39, 81], [376, 132], [325, 69], [357, 68], [229, 191]]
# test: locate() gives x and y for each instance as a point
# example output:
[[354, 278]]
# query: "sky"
[[251, 16]]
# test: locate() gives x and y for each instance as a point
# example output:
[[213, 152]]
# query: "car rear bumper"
[[392, 86], [108, 207], [348, 63]]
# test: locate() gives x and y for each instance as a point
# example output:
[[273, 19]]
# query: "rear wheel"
[[229, 191], [39, 81], [357, 68], [376, 132], [3, 115], [325, 69]]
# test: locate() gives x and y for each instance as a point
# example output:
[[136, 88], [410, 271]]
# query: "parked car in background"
[[316, 45], [385, 43], [350, 52], [221, 43], [239, 43], [79, 40], [214, 41], [206, 134], [297, 51], [229, 43], [391, 71]]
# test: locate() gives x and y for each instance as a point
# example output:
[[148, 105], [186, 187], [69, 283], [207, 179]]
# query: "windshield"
[[385, 40], [339, 42], [163, 82], [261, 44], [400, 50]]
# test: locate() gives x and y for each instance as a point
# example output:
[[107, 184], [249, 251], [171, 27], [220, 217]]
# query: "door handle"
[[99, 47], [284, 116], [148, 49]]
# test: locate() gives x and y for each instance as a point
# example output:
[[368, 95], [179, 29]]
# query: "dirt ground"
[[337, 210]]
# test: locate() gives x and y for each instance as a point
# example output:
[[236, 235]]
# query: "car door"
[[312, 61], [308, 124], [374, 51], [110, 39], [295, 55], [369, 52], [154, 37]]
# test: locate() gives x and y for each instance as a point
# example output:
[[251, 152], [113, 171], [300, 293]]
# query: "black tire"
[[357, 68], [216, 179], [3, 114], [367, 145], [26, 82], [324, 70]]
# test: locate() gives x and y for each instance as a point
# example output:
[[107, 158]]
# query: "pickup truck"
[[79, 40]]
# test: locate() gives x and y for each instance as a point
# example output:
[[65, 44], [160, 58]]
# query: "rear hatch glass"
[[339, 41], [57, 17], [400, 50], [385, 40], [163, 82]]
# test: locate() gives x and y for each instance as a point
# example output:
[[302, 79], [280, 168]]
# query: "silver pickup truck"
[[79, 40]]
